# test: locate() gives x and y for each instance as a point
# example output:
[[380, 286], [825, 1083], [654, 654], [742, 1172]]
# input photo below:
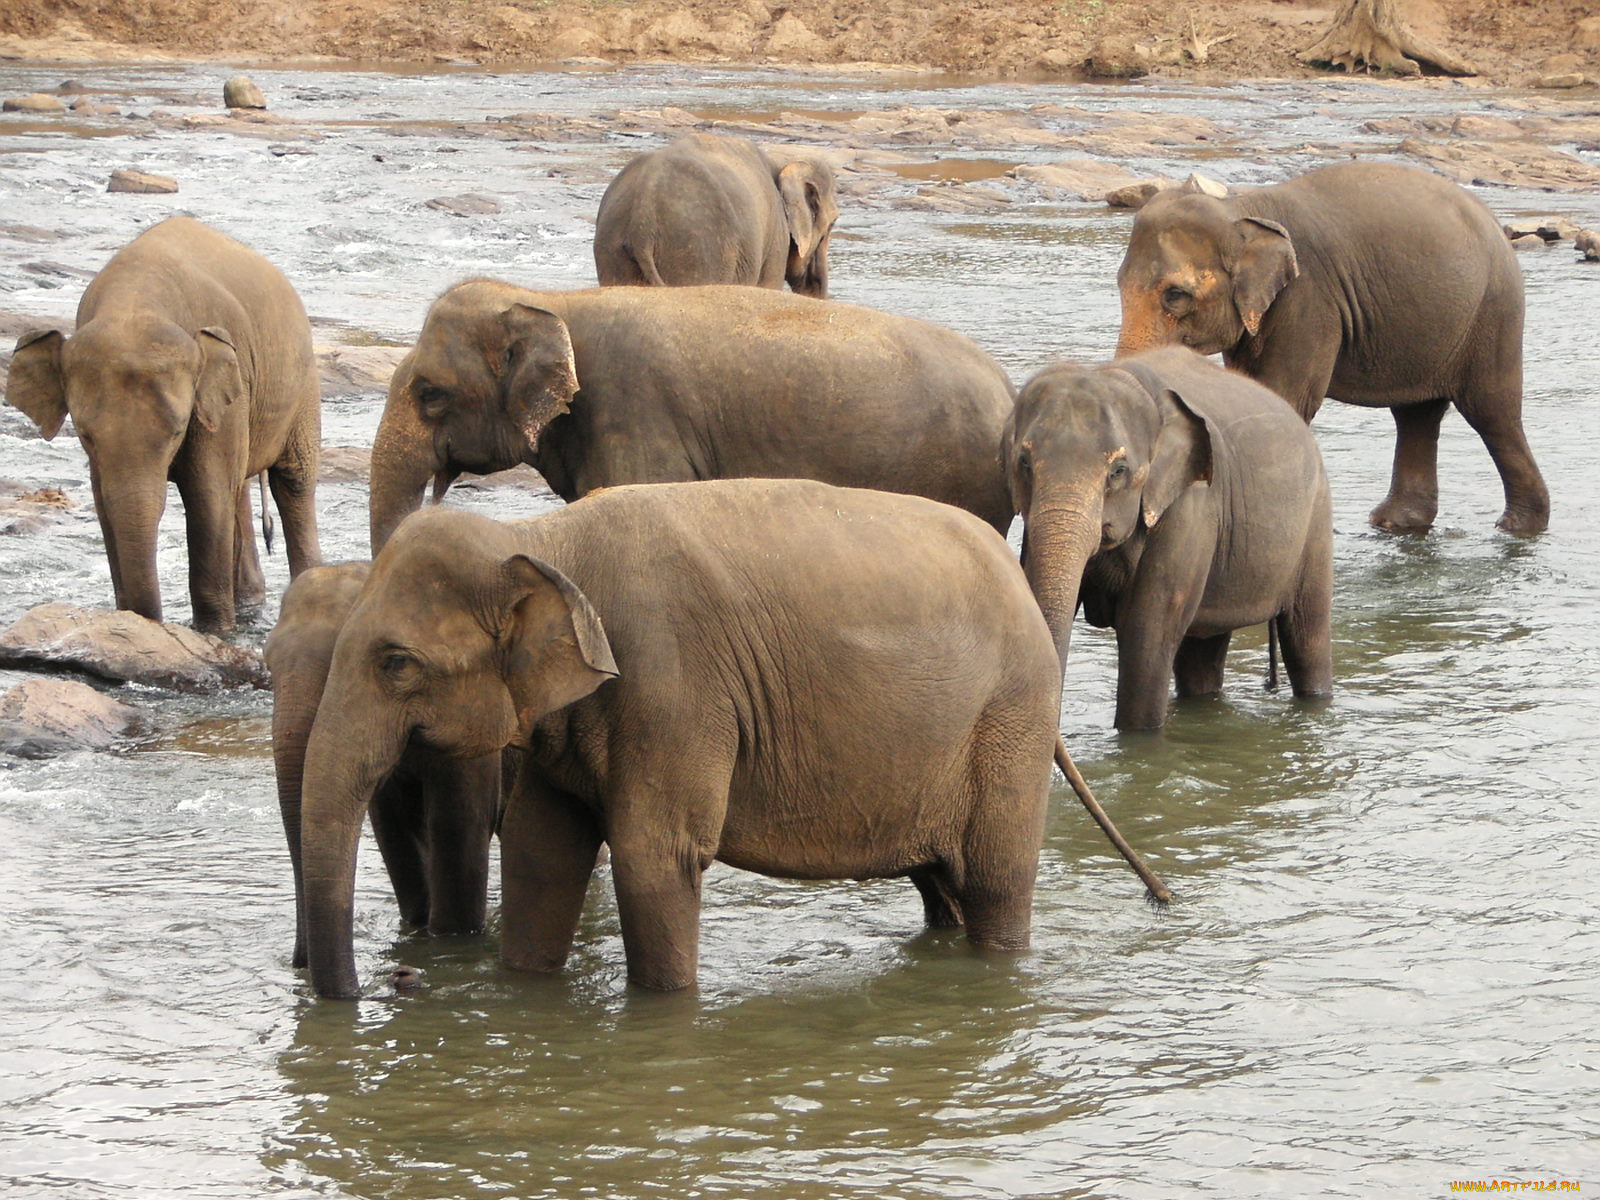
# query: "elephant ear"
[[36, 385], [539, 373], [806, 188], [220, 383], [556, 650], [1182, 456], [1265, 265]]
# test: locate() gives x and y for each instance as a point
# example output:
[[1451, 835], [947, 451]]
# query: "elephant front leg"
[[211, 507], [398, 813], [1155, 616], [548, 846], [1413, 499], [463, 800], [657, 880]]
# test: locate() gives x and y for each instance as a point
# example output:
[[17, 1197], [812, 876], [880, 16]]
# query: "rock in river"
[[123, 646], [40, 718]]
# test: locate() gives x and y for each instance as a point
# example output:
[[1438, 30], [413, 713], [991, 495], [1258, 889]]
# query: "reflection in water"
[[1380, 973]]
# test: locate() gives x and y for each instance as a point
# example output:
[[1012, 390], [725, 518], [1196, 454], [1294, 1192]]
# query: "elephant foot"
[[1397, 516], [1523, 522]]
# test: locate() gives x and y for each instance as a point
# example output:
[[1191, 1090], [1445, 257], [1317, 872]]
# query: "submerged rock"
[[40, 718], [140, 182], [241, 92], [38, 102], [127, 648]]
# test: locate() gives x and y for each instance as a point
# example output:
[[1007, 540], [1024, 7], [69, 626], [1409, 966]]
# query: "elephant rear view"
[[191, 362], [715, 209]]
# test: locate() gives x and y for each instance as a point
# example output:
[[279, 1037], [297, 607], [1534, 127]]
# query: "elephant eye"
[[1176, 298], [1119, 472], [397, 666], [1025, 463], [434, 400]]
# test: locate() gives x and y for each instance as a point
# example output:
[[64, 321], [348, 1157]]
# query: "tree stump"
[[1373, 34]]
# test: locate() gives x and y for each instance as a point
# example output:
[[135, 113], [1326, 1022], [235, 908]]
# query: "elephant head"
[[458, 643], [487, 375], [132, 383], [1095, 458], [1198, 275], [809, 205]]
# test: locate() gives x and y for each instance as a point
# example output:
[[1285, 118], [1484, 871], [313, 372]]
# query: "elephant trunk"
[[343, 766], [810, 278], [294, 709], [129, 502], [1142, 322], [403, 461], [1058, 543]]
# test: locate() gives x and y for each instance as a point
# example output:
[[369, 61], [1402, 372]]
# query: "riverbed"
[[1382, 973]]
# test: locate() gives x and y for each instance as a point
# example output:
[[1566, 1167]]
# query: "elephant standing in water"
[[192, 363], [1179, 501], [713, 209], [433, 816], [1376, 284], [791, 678], [658, 385]]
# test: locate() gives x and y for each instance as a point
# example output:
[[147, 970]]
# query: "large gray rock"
[[40, 718], [125, 647], [241, 92]]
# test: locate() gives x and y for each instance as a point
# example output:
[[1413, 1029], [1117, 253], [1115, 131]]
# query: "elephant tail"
[[1158, 892], [1272, 655], [644, 263], [268, 525]]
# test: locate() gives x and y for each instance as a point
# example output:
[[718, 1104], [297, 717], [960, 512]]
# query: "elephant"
[[191, 362], [1179, 501], [433, 816], [1376, 284], [788, 677], [713, 209], [607, 386]]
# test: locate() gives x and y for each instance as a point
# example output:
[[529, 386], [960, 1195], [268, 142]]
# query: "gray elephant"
[[713, 209], [433, 816], [657, 385], [1179, 501], [192, 363], [1376, 284], [791, 678]]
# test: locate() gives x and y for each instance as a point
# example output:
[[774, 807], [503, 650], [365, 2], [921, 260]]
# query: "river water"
[[1383, 971]]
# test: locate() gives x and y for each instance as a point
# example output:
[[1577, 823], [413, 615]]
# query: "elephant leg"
[[293, 479], [548, 846], [1305, 628], [657, 880], [1497, 419], [1413, 498], [398, 816], [1156, 613], [211, 510], [462, 800], [249, 584], [994, 882], [1199, 663], [939, 908]]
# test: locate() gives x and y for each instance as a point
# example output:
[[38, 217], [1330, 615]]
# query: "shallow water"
[[1382, 972]]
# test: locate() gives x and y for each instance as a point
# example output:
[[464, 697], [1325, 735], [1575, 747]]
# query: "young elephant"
[[432, 816], [1376, 284], [191, 362], [792, 678], [663, 385], [715, 209], [1179, 501]]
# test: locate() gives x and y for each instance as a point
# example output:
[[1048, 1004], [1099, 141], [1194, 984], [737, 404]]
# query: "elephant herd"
[[777, 624]]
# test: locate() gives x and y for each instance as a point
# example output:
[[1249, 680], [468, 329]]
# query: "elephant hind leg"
[[992, 880], [1498, 421], [1413, 499], [1199, 664], [939, 907], [1305, 627], [249, 584]]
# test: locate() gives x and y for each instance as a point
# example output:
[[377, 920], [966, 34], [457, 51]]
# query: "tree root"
[[1371, 33]]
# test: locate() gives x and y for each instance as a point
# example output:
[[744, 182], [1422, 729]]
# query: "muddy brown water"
[[1383, 973]]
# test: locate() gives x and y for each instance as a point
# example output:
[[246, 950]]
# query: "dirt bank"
[[1510, 41]]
